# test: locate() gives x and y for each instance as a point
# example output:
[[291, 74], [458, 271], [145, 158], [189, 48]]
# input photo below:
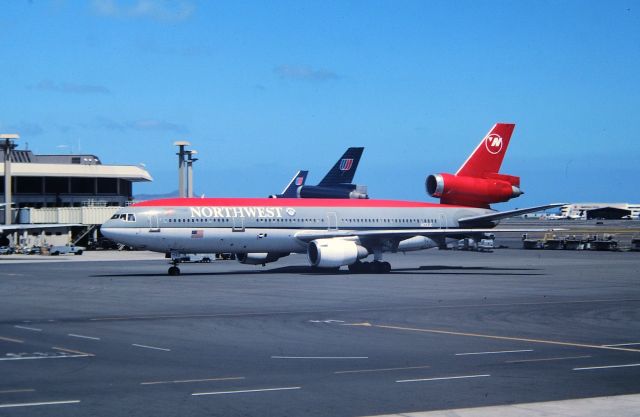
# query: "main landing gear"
[[375, 267]]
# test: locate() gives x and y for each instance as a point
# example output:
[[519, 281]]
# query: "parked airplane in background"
[[333, 232], [336, 184], [565, 217], [292, 190]]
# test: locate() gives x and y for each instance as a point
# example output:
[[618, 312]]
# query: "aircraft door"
[[332, 221], [443, 221], [238, 224], [154, 224]]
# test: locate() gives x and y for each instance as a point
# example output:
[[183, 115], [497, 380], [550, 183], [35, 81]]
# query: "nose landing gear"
[[173, 271], [176, 258]]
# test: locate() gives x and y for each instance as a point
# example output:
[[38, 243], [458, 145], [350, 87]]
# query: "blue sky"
[[262, 89]]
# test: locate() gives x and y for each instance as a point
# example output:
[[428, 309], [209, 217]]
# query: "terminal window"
[[82, 186], [107, 185], [56, 185]]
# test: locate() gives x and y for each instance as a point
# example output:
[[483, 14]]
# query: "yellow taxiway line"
[[496, 337]]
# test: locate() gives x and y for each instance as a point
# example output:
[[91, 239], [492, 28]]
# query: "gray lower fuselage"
[[241, 229]]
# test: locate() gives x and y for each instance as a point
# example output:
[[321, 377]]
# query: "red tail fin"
[[488, 155]]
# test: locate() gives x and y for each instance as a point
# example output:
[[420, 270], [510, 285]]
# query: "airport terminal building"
[[582, 210], [69, 180], [76, 191]]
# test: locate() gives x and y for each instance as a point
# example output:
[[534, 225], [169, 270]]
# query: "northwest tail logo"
[[346, 164], [493, 143]]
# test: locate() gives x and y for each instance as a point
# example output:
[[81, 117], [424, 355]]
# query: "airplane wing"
[[308, 236], [484, 218]]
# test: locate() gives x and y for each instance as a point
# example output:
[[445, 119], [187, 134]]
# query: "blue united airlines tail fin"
[[291, 190], [344, 170]]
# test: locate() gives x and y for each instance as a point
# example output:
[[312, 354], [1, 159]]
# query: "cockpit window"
[[127, 217]]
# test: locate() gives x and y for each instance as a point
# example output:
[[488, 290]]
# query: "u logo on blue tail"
[[345, 164]]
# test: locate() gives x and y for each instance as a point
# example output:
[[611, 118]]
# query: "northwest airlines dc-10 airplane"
[[333, 232]]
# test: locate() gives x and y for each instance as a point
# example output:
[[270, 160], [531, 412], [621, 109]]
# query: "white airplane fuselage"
[[242, 225]]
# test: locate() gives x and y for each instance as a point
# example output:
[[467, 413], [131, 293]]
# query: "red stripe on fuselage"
[[287, 202]]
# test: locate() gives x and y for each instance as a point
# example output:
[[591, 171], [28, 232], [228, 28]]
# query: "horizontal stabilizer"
[[484, 218]]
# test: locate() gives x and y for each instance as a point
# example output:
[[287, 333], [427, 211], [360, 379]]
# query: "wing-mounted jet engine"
[[336, 184], [478, 183]]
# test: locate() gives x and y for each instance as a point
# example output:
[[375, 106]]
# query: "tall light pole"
[[181, 154], [7, 145], [190, 161]]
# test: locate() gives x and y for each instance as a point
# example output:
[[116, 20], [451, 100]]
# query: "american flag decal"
[[345, 164], [197, 234]]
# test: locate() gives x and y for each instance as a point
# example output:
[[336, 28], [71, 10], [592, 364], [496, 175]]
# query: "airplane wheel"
[[381, 267], [355, 267], [174, 271]]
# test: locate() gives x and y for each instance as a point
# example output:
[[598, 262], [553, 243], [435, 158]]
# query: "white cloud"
[[143, 125], [162, 10], [72, 88], [25, 129]]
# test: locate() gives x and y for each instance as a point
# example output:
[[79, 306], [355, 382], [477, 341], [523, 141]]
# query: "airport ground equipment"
[[66, 250]]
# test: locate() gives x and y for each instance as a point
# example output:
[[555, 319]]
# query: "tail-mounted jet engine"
[[478, 183], [471, 191]]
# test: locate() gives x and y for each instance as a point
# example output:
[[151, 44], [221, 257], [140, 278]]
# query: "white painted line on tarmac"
[[21, 358], [326, 321], [17, 391], [494, 352], [151, 347], [444, 378], [37, 404], [623, 344], [246, 391], [33, 329], [319, 357], [562, 358], [186, 381], [358, 371], [629, 365], [9, 339], [76, 352], [80, 336]]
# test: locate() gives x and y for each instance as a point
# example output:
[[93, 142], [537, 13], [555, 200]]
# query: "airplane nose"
[[107, 230]]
